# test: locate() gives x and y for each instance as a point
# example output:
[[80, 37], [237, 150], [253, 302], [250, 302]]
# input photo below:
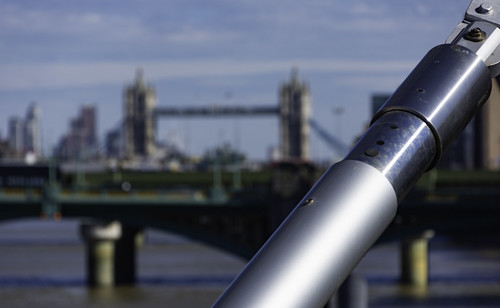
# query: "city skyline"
[[219, 53], [135, 137], [24, 135]]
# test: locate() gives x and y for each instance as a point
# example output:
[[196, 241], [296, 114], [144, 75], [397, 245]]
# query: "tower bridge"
[[293, 111], [216, 110]]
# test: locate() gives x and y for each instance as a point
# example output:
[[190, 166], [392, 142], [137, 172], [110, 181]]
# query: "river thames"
[[42, 264]]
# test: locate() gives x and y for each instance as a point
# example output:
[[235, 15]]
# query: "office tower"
[[80, 142], [32, 131], [488, 129], [113, 143], [87, 125], [16, 136]]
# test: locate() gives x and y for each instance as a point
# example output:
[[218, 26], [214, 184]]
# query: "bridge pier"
[[111, 253], [415, 260], [353, 293]]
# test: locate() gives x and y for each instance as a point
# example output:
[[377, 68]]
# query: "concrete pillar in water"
[[353, 293], [100, 239], [415, 260], [125, 255]]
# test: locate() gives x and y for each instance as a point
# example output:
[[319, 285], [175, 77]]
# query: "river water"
[[42, 264]]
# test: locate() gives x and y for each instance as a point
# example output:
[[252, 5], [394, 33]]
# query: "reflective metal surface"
[[400, 145], [484, 10], [445, 90], [320, 242], [484, 15]]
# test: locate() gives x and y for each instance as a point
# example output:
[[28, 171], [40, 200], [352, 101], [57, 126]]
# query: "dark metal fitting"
[[484, 8], [476, 35]]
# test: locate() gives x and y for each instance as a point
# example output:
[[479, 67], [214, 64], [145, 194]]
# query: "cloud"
[[61, 52], [59, 75], [45, 32], [423, 10], [189, 35], [366, 8], [383, 82]]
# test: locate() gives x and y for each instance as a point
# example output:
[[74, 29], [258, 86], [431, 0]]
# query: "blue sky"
[[64, 53]]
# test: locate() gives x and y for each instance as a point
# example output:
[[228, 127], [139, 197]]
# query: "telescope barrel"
[[331, 229]]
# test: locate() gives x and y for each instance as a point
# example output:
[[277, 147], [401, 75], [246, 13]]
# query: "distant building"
[[488, 128], [378, 100], [25, 134], [113, 143], [5, 150], [295, 106], [32, 131], [81, 140], [87, 124], [139, 105], [16, 136]]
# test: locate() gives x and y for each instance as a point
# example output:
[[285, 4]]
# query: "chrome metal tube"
[[331, 229], [445, 91], [319, 243], [425, 114]]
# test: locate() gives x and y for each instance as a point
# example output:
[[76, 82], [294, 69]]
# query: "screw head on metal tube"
[[484, 8]]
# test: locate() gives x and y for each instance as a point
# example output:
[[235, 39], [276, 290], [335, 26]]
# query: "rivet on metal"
[[371, 152], [484, 8], [309, 201]]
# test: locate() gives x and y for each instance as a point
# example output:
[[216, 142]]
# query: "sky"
[[63, 54]]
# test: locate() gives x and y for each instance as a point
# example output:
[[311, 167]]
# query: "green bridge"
[[237, 211]]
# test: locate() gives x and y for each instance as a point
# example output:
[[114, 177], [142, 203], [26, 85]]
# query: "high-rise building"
[[113, 143], [295, 108], [488, 128], [81, 140], [25, 134], [139, 104], [16, 136], [378, 100], [87, 123], [32, 131]]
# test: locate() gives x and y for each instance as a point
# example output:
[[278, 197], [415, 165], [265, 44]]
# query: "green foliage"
[[224, 155]]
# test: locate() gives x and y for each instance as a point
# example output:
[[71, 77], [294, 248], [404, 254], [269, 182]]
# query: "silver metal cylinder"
[[425, 114], [445, 91], [331, 229], [320, 242], [400, 145]]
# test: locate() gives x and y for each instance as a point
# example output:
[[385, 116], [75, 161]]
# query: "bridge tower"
[[139, 103], [295, 111]]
